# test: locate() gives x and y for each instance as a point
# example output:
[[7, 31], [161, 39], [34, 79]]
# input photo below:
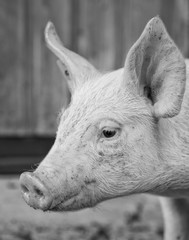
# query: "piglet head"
[[106, 144]]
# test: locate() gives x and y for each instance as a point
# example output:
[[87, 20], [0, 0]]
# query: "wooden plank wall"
[[14, 90], [32, 90]]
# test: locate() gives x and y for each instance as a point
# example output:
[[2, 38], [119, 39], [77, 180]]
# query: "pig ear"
[[156, 70], [75, 68]]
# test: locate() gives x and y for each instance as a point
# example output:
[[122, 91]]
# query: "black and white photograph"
[[94, 119]]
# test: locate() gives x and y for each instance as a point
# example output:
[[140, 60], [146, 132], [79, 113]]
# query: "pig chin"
[[75, 203]]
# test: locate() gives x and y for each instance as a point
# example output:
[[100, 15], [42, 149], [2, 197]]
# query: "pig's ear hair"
[[156, 70], [75, 68]]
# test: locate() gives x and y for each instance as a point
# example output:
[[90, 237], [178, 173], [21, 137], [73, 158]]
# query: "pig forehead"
[[100, 89], [103, 97]]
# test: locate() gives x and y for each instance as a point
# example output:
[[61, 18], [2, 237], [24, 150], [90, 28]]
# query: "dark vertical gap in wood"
[[15, 93], [22, 74], [92, 29], [37, 92], [181, 25], [97, 32], [28, 63], [74, 22], [174, 15], [119, 26], [167, 10], [187, 51], [97, 29]]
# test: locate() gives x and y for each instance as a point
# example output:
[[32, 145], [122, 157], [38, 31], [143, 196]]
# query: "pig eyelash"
[[109, 133], [104, 133]]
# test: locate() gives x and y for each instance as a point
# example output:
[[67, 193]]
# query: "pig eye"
[[107, 133]]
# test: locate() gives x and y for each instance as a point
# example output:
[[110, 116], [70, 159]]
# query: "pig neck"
[[173, 140], [174, 137]]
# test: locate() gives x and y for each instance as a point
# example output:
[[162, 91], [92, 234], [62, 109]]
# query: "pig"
[[124, 132]]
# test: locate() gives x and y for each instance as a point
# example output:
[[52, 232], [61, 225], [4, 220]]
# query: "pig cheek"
[[115, 161], [111, 158]]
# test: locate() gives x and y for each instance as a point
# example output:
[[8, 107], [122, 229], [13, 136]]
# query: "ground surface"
[[132, 218]]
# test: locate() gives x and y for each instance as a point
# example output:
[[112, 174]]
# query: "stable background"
[[32, 92]]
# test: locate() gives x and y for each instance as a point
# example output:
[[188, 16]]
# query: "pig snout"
[[34, 192]]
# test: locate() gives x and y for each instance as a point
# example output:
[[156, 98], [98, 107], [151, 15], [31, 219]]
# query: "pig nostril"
[[38, 192], [24, 189], [35, 190]]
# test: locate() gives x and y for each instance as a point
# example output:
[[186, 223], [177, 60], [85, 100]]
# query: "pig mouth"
[[64, 204], [84, 197], [75, 202]]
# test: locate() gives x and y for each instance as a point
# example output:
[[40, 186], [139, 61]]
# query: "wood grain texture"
[[177, 22], [32, 90], [49, 90], [14, 82]]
